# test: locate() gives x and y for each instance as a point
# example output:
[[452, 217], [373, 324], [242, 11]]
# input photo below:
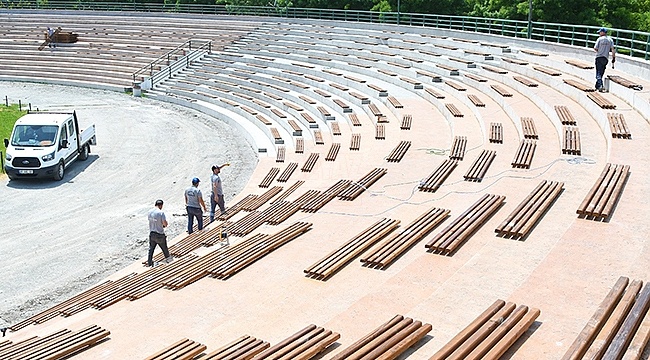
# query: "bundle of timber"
[[239, 206], [193, 241], [601, 199], [391, 248], [565, 115], [332, 262], [406, 122], [288, 191], [355, 142], [461, 229], [454, 110], [268, 179], [475, 100], [618, 126], [255, 202], [355, 189], [625, 82], [380, 132], [281, 154], [458, 148], [399, 151], [320, 199], [491, 334], [247, 224], [388, 341], [579, 64], [525, 81], [501, 90], [620, 327], [434, 181], [241, 349], [479, 167], [547, 71], [288, 171], [251, 252], [184, 349], [59, 345], [571, 140], [302, 345], [524, 156], [601, 101], [521, 221], [333, 152], [528, 126], [579, 85], [496, 133], [310, 163]]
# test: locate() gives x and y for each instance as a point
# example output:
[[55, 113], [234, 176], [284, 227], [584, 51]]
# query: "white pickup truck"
[[43, 144]]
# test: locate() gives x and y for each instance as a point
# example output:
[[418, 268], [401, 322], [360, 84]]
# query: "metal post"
[[20, 106], [530, 18], [398, 11], [6, 101]]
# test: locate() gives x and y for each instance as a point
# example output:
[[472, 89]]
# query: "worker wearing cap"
[[216, 195], [604, 45], [194, 203], [157, 225]]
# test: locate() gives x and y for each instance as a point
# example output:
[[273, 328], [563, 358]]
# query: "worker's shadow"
[[71, 172]]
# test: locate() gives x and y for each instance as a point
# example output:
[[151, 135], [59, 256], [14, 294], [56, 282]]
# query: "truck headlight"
[[8, 157], [48, 157]]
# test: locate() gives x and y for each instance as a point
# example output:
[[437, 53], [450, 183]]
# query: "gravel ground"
[[58, 238]]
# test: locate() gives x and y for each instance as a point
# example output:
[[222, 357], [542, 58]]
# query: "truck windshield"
[[34, 135]]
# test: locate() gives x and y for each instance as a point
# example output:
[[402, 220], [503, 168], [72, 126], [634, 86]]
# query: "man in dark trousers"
[[157, 225], [194, 203], [216, 196], [604, 45]]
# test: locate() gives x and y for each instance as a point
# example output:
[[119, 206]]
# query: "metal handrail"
[[166, 58], [181, 63], [630, 42]]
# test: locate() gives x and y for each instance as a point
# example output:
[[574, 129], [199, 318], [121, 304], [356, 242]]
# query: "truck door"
[[63, 151], [72, 137]]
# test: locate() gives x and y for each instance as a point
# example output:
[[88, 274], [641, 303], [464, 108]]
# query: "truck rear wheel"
[[85, 150], [59, 171]]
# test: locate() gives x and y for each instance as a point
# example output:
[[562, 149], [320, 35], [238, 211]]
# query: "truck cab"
[[43, 144]]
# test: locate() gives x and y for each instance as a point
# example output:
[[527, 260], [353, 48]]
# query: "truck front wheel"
[[59, 171], [84, 152]]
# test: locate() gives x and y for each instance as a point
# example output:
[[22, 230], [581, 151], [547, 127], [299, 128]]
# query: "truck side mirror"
[[6, 143], [64, 144]]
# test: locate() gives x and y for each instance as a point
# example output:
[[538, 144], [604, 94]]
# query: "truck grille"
[[25, 162]]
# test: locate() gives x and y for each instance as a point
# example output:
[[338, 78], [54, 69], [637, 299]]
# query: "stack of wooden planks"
[[184, 349], [242, 348], [399, 151], [458, 148], [388, 341], [601, 199], [233, 210], [388, 250], [333, 152], [501, 90], [302, 345], [618, 126], [579, 85], [434, 181], [58, 345], [475, 100], [571, 140], [288, 171], [380, 132], [601, 101], [491, 334], [524, 156], [579, 64], [311, 161], [394, 102], [494, 69], [525, 81], [281, 154], [268, 179], [193, 241], [257, 201], [334, 261], [318, 137], [625, 82], [461, 229], [300, 145], [318, 199], [496, 133], [524, 217], [290, 190], [454, 110], [565, 115], [547, 71], [355, 142], [336, 129], [354, 189], [407, 119], [456, 86], [479, 167], [620, 327], [528, 126]]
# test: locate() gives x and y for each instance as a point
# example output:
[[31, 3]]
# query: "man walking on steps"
[[194, 203], [157, 225], [216, 196], [604, 45]]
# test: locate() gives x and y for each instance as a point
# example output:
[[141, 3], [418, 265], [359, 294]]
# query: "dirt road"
[[57, 238]]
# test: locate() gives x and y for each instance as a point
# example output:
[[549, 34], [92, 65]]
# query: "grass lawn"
[[8, 116]]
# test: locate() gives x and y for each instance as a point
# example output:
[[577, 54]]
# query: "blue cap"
[[602, 30], [196, 181]]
